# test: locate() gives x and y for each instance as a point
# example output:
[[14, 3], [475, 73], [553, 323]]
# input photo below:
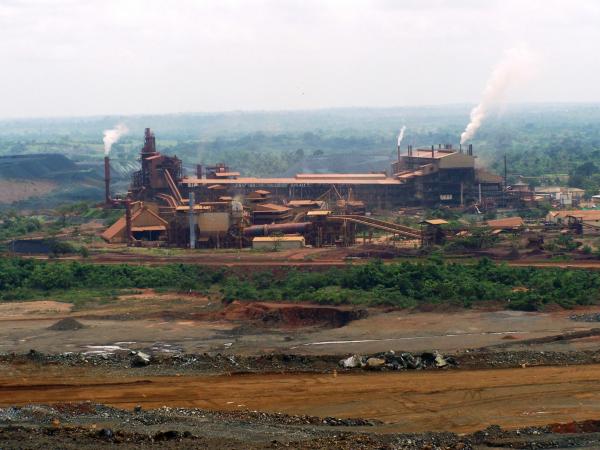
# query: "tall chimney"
[[107, 198], [433, 151], [470, 149]]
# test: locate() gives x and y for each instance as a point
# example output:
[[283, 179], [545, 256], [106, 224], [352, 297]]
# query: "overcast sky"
[[78, 57]]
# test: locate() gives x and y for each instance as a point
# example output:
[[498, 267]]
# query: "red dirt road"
[[307, 258], [459, 401]]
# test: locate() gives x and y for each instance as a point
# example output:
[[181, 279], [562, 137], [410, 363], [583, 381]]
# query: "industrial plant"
[[217, 207]]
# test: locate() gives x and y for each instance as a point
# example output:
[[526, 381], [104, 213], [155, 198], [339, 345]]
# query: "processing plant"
[[217, 207]]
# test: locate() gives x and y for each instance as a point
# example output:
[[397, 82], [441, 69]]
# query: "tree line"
[[404, 284]]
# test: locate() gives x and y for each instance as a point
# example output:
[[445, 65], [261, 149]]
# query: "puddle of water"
[[103, 349], [412, 338], [163, 347]]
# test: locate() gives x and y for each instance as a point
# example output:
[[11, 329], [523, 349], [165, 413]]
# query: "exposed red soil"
[[586, 426], [290, 315], [458, 401]]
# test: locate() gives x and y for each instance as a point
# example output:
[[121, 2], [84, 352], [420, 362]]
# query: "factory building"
[[217, 207], [422, 177]]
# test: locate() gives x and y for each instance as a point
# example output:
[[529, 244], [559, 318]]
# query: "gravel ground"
[[169, 364], [87, 425]]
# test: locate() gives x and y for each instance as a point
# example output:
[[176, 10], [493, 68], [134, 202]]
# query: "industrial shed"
[[145, 225], [277, 242]]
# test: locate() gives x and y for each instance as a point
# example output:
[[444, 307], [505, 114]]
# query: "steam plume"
[[401, 135], [112, 136], [516, 66]]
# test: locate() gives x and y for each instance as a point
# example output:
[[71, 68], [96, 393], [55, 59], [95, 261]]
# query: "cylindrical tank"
[[284, 228]]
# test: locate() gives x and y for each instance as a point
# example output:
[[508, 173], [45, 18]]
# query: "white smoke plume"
[[401, 135], [516, 66], [112, 136]]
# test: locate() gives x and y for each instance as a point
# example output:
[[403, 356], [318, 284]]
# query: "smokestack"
[[470, 149], [433, 151], [399, 141], [107, 198], [198, 170]]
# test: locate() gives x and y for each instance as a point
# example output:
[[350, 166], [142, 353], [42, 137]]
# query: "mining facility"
[[220, 208]]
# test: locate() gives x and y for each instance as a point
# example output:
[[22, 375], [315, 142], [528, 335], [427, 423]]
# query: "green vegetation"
[[405, 284], [12, 225], [546, 144], [480, 238]]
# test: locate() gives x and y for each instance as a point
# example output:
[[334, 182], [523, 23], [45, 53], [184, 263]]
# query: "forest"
[[545, 144], [401, 285]]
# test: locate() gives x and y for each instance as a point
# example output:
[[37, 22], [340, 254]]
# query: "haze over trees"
[[547, 144]]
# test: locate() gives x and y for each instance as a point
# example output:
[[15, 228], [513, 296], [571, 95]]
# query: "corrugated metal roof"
[[585, 215], [270, 207], [290, 181], [318, 212], [507, 222], [426, 153], [352, 176], [435, 222], [578, 213], [150, 228], [277, 238], [227, 174], [304, 202]]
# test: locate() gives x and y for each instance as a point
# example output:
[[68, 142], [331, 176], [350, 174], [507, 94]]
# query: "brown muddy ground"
[[180, 322], [456, 401]]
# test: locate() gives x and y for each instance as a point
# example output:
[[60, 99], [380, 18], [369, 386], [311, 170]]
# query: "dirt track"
[[459, 401], [307, 258]]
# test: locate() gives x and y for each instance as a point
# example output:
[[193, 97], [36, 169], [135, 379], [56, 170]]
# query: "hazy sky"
[[78, 57]]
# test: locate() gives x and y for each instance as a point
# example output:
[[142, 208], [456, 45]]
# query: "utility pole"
[[192, 216]]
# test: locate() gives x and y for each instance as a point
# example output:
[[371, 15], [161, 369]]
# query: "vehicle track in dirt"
[[458, 401]]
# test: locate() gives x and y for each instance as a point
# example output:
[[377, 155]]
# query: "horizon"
[[70, 59], [505, 106]]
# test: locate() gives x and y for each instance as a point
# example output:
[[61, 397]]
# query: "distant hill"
[[46, 179], [44, 165]]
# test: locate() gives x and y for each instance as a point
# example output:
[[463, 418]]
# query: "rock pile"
[[592, 317], [399, 361], [67, 324]]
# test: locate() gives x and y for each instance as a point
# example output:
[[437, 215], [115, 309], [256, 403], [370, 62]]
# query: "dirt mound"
[[67, 324], [291, 315], [31, 167]]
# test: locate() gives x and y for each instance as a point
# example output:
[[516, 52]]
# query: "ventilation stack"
[[107, 198]]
